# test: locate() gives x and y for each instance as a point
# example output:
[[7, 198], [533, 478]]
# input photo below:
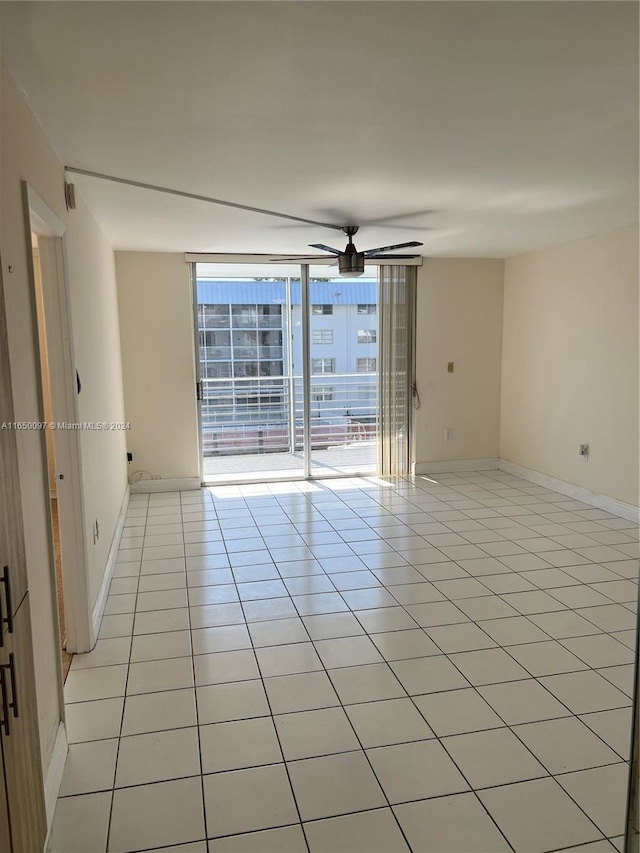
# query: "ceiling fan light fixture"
[[351, 265]]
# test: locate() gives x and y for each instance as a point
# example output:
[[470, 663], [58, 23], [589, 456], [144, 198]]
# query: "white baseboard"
[[101, 600], [455, 465], [615, 507], [579, 493], [53, 778], [179, 484]]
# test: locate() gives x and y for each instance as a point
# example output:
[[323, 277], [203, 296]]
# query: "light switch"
[[449, 367]]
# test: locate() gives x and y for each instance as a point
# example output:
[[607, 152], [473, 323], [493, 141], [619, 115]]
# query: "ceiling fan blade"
[[324, 248], [371, 252]]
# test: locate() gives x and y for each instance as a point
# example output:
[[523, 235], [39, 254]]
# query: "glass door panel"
[[247, 358], [343, 381]]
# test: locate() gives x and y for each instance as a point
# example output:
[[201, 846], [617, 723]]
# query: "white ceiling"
[[481, 128]]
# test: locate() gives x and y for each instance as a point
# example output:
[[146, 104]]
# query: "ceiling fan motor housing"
[[351, 264]]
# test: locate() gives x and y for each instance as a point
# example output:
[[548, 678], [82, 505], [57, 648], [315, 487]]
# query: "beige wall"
[[158, 363], [459, 319], [570, 362], [27, 155], [96, 345]]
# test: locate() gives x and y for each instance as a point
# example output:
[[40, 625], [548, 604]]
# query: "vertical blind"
[[396, 357]]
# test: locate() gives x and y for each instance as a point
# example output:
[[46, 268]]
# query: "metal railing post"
[[306, 370]]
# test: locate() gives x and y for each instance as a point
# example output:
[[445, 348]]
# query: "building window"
[[322, 309], [366, 392], [270, 368], [365, 365], [367, 309], [216, 369], [366, 336], [245, 368], [245, 312], [214, 338], [323, 365], [213, 316], [322, 393], [322, 336]]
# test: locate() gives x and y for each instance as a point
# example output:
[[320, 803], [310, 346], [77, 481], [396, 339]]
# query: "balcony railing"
[[236, 321], [260, 415], [267, 321]]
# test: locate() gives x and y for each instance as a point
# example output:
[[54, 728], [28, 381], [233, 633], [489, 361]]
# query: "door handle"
[[7, 705], [8, 619], [11, 666], [4, 697], [4, 721]]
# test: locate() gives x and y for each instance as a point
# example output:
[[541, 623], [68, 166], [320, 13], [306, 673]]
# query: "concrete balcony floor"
[[358, 457]]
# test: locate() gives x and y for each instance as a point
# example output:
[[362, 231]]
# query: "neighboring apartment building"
[[250, 348]]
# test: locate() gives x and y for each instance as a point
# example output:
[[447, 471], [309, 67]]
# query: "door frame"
[[41, 220], [193, 284], [193, 259]]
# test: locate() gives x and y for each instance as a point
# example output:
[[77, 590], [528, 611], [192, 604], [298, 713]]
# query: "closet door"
[[13, 569], [5, 838], [20, 740]]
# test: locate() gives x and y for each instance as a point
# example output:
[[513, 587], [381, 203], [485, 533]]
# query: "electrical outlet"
[[583, 451], [448, 434]]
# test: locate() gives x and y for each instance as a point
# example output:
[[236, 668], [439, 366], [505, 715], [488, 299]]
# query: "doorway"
[[47, 409], [59, 386], [287, 372]]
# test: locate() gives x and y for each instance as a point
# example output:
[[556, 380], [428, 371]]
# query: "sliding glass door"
[[343, 367], [247, 362], [287, 368]]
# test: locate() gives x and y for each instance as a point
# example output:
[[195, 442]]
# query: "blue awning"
[[248, 292]]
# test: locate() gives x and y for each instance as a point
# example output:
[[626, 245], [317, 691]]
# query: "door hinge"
[[199, 391]]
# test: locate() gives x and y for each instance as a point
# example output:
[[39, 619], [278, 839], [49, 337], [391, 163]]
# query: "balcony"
[[214, 321], [268, 321], [252, 416], [215, 353]]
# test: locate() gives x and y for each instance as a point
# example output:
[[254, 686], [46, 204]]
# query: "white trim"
[[179, 484], [604, 502], [101, 600], [69, 492], [223, 258], [455, 465], [53, 778], [45, 220], [612, 505], [193, 285]]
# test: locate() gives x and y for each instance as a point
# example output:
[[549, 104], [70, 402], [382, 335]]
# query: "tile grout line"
[[195, 696], [272, 718], [124, 703]]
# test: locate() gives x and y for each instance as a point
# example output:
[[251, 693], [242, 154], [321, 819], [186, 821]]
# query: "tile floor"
[[354, 666]]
